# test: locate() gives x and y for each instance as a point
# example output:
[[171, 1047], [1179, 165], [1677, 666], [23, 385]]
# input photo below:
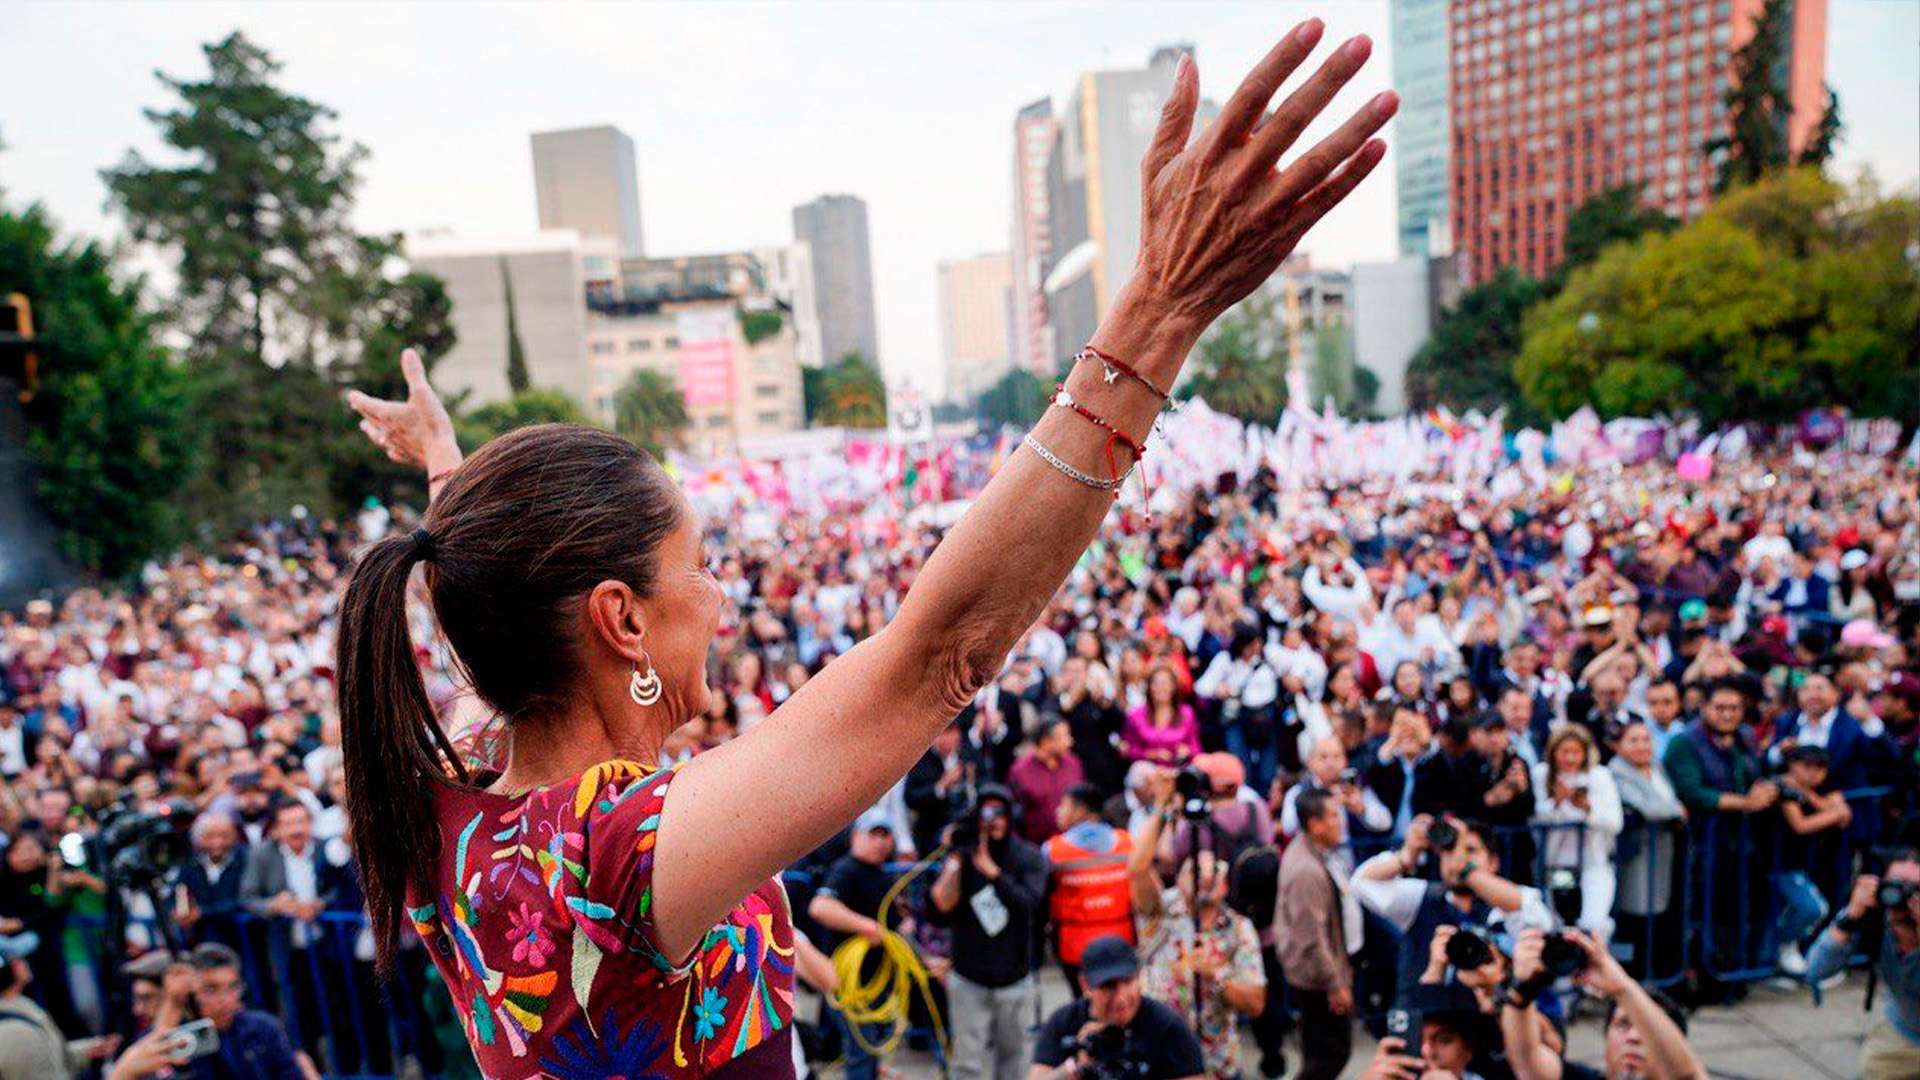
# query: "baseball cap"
[[873, 818], [1693, 610], [1108, 959], [1863, 634], [1223, 770], [1597, 616], [1853, 560], [26, 943]]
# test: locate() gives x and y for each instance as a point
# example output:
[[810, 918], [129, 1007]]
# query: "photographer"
[[1469, 892], [991, 892], [1200, 956], [1113, 1030], [1645, 1031], [1892, 899]]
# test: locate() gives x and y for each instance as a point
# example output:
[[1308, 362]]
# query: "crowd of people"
[[1440, 761]]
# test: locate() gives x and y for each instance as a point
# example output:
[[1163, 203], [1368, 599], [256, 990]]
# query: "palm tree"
[[649, 411]]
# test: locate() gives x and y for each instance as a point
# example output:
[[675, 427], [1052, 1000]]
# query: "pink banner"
[[706, 357]]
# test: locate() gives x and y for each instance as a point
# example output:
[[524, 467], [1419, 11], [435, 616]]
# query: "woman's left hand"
[[416, 431]]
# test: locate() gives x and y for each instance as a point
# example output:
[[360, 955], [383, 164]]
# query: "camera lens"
[[1468, 949], [1442, 836]]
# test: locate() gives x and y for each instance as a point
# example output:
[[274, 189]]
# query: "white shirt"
[[1253, 684], [1398, 900], [303, 881], [13, 749]]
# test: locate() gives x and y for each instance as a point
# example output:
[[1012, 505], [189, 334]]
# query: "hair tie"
[[423, 544]]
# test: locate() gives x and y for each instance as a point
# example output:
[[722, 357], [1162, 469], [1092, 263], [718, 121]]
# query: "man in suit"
[[1316, 919], [1851, 743], [288, 881]]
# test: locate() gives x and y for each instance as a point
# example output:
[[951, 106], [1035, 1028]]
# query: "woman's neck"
[[547, 752]]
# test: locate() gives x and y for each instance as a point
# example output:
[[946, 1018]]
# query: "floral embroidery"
[[558, 886], [530, 944]]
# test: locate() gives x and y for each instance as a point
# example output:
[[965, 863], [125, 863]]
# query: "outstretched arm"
[[1216, 220]]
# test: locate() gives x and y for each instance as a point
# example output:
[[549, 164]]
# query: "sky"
[[740, 111]]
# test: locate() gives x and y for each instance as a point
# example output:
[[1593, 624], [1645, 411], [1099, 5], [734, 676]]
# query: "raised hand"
[[416, 431], [1216, 218]]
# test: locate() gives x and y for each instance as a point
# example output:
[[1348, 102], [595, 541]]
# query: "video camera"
[[1473, 947], [134, 850], [970, 823]]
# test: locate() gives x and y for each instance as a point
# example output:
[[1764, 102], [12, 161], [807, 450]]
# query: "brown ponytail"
[[524, 530]]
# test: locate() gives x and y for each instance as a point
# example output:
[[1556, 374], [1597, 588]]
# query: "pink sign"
[[1693, 466], [706, 356]]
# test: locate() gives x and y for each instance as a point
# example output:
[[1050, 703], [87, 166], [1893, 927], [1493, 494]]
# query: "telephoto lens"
[[1469, 949], [1441, 836]]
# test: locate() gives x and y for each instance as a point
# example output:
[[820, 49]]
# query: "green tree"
[[757, 326], [1760, 107], [849, 393], [280, 301], [1610, 217], [650, 411], [518, 380], [1332, 372], [1789, 293], [1366, 391], [107, 431], [1017, 398], [536, 406], [1241, 365], [1467, 362]]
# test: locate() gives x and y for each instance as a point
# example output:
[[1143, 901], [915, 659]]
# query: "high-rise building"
[[1552, 102], [1093, 189], [789, 278], [1034, 131], [1391, 318], [551, 274], [585, 179], [976, 298], [835, 227], [1420, 134]]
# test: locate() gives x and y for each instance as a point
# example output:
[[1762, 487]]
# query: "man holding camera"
[[1892, 900], [1470, 891], [991, 891], [1645, 1031], [1114, 1030]]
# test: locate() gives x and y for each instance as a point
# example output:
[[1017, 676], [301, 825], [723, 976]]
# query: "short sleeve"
[[617, 805]]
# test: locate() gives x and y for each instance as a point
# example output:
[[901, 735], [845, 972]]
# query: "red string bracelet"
[[1064, 399], [1114, 367], [441, 475]]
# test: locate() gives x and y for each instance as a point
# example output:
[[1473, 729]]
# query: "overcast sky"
[[739, 110]]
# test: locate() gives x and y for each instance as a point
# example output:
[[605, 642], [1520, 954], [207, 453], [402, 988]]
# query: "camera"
[[1441, 836], [1561, 956], [1106, 1050], [1195, 789], [1895, 894], [969, 825], [1470, 948], [141, 850], [1349, 776]]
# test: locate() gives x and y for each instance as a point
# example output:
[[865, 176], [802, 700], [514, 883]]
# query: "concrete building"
[[1093, 188], [789, 281], [585, 179], [1552, 102], [835, 227], [1391, 318], [1034, 132], [1420, 133], [552, 273], [976, 333]]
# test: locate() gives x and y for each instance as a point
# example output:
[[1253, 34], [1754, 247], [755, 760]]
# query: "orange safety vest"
[[1090, 897]]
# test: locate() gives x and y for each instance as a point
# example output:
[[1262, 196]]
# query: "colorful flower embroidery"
[[530, 944], [561, 879]]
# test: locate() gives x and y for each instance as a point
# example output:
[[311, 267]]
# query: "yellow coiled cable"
[[887, 997]]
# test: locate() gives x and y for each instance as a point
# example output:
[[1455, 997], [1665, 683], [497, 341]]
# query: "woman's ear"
[[615, 619]]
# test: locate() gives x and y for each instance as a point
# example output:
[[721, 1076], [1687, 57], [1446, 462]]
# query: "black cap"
[[1107, 960]]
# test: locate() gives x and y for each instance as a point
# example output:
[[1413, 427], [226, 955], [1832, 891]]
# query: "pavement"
[[1771, 1035]]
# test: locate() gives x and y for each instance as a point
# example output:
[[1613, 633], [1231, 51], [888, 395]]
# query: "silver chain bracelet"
[[1072, 473]]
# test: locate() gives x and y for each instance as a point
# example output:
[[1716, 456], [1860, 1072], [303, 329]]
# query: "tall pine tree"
[[1760, 107], [280, 300]]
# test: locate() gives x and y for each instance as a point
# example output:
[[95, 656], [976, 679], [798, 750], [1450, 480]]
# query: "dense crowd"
[[1272, 759]]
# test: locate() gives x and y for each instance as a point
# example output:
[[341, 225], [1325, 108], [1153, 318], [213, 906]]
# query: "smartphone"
[[191, 1042]]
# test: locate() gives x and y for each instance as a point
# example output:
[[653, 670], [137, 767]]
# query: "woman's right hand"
[[416, 431], [1216, 218]]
